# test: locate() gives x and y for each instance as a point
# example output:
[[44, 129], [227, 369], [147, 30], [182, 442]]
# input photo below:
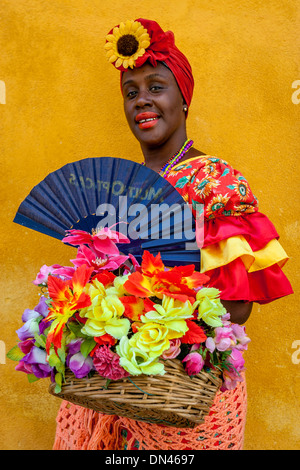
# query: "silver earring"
[[185, 108]]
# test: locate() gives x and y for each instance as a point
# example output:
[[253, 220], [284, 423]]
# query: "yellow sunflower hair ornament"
[[129, 45], [126, 44]]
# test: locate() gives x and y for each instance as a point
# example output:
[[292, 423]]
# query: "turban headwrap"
[[133, 43]]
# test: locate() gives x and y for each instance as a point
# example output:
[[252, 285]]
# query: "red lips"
[[146, 120]]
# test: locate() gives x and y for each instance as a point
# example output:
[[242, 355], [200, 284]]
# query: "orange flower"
[[156, 280], [67, 297], [134, 307]]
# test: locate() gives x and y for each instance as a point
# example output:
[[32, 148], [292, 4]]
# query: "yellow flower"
[[127, 43], [135, 361], [152, 338], [105, 314], [172, 313], [210, 308]]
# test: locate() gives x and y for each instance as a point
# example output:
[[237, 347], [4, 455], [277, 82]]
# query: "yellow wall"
[[60, 102]]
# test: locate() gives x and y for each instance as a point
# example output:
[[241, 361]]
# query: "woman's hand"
[[239, 310]]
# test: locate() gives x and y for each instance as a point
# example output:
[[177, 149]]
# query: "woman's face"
[[153, 105]]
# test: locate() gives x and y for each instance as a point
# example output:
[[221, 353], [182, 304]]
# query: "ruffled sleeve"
[[241, 253]]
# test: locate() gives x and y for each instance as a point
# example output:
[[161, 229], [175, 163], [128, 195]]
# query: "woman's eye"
[[155, 88], [131, 94]]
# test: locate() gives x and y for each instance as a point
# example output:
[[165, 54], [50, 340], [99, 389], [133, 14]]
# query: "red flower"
[[195, 333]]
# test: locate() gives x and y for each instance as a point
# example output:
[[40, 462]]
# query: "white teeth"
[[146, 120]]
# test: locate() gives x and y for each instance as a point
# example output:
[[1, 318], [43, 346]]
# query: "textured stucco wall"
[[60, 101]]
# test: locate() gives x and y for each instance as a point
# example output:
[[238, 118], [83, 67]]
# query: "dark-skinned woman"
[[241, 253]]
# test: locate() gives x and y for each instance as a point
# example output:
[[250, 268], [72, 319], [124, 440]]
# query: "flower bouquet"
[[138, 340]]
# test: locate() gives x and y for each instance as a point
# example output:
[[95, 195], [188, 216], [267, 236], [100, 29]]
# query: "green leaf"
[[40, 340], [76, 329], [58, 381], [32, 378], [61, 354], [15, 354], [87, 346]]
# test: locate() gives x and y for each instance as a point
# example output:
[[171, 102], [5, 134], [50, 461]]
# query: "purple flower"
[[80, 365], [42, 308], [35, 362], [77, 363], [28, 330], [73, 347], [29, 314]]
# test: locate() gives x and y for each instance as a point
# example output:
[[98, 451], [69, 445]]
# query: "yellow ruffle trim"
[[228, 250]]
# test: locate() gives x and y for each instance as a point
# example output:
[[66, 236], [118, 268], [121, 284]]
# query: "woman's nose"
[[143, 99]]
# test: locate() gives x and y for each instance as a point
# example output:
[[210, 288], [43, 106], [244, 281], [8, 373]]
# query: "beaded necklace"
[[175, 158]]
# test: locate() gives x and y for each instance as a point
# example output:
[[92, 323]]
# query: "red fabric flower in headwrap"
[[133, 43]]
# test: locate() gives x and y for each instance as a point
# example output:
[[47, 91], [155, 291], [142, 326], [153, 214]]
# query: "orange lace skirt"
[[82, 429]]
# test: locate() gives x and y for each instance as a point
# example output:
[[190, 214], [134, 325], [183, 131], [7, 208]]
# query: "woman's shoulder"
[[214, 182]]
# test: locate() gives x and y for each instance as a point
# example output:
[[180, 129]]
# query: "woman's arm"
[[239, 311]]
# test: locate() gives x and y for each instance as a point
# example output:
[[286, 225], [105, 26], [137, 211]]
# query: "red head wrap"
[[160, 47]]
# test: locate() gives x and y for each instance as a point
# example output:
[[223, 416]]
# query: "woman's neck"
[[156, 157]]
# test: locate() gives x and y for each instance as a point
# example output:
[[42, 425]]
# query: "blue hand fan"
[[103, 191]]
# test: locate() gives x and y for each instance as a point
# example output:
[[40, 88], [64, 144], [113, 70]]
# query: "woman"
[[241, 252]]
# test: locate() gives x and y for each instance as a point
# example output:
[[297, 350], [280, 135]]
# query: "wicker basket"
[[173, 399]]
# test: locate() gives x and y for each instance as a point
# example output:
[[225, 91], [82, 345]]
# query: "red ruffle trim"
[[263, 286], [233, 280], [256, 228]]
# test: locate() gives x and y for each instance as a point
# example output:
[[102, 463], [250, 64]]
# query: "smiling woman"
[[154, 109], [241, 254]]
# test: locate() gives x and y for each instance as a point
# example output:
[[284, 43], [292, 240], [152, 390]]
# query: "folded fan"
[[100, 191]]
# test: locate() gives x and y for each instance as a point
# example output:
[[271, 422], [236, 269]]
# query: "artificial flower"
[[136, 361], [195, 333], [102, 240], [29, 329], [173, 351], [80, 366], [240, 336], [194, 363], [67, 297], [209, 305], [42, 276], [224, 338], [104, 314], [152, 338], [35, 362], [107, 364], [232, 376], [97, 260], [126, 43], [154, 279], [172, 314]]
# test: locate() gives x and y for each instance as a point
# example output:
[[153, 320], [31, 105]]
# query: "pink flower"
[[194, 363], [241, 337], [107, 364], [42, 276], [104, 240], [210, 344], [173, 350], [232, 376], [90, 257], [224, 338]]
